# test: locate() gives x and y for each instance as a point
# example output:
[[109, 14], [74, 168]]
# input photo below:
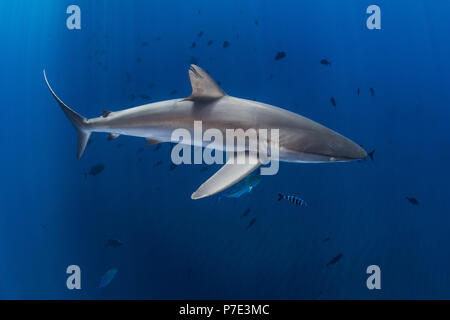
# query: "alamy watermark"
[[74, 280], [374, 280], [239, 147], [374, 20], [73, 21]]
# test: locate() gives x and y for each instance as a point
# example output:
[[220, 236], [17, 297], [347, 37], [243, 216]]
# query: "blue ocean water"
[[53, 216]]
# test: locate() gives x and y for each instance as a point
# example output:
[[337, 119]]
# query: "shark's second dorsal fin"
[[203, 86], [151, 141]]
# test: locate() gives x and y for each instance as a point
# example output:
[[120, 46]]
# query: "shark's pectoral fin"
[[151, 141], [203, 86], [232, 172]]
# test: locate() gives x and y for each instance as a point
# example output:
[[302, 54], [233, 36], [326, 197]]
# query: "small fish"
[[225, 44], [280, 55], [172, 166], [326, 240], [372, 92], [334, 260], [325, 62], [129, 78], [143, 44], [200, 34], [151, 85], [99, 52], [158, 38], [95, 169], [246, 212], [370, 154], [358, 91], [210, 42], [173, 92], [139, 60], [158, 146], [252, 222], [293, 199], [107, 277], [333, 101], [193, 45], [157, 164], [413, 201], [193, 60], [43, 226], [271, 76], [113, 243], [256, 21]]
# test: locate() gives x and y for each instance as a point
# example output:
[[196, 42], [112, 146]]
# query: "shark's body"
[[300, 139]]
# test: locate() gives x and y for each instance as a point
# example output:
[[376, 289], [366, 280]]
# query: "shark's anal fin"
[[231, 173], [203, 86], [151, 141], [113, 136]]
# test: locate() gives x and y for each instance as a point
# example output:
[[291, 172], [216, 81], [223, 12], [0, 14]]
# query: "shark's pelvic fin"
[[203, 86], [151, 141], [80, 123], [232, 172], [105, 113], [113, 136]]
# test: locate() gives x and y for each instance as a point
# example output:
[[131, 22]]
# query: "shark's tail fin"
[[80, 123]]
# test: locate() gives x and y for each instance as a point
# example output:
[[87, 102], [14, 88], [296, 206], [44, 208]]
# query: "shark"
[[300, 140]]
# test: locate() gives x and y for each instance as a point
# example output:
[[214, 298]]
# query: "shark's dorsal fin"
[[203, 86]]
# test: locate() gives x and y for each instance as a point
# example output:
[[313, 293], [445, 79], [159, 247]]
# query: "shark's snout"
[[340, 148], [352, 151], [320, 144]]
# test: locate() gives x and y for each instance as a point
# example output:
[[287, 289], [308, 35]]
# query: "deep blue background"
[[51, 216]]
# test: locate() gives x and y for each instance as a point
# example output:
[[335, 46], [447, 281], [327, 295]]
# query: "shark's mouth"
[[295, 156]]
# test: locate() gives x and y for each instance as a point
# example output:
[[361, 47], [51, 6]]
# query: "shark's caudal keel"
[[300, 139]]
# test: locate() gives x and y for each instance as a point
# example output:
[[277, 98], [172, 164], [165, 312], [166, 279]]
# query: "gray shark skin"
[[300, 139]]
